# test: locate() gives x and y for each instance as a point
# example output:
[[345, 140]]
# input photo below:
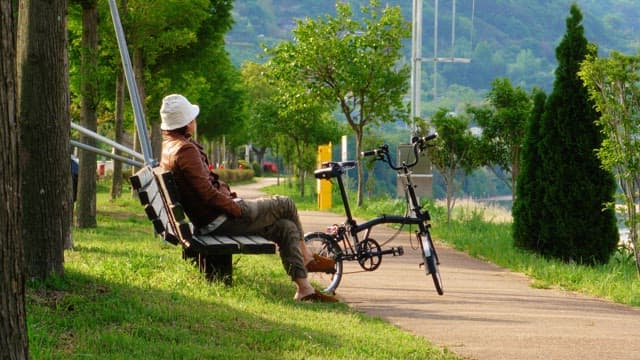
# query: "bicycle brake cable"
[[392, 237]]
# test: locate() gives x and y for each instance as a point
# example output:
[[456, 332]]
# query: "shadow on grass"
[[81, 316]]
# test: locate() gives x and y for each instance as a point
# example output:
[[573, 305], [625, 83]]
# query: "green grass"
[[477, 232], [617, 280], [127, 295]]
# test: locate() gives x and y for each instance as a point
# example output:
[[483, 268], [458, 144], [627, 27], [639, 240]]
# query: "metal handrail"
[[106, 140], [106, 153]]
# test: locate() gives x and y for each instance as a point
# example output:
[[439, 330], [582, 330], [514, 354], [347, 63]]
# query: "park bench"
[[159, 195]]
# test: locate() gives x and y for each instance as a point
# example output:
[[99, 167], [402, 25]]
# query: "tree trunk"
[[515, 172], [260, 152], [13, 328], [116, 184], [43, 104], [86, 208]]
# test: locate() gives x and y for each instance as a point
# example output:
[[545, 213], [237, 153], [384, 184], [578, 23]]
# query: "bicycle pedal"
[[398, 251]]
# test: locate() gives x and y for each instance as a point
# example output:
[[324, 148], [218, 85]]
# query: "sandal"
[[317, 296]]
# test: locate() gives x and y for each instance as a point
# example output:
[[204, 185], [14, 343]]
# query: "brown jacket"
[[201, 194]]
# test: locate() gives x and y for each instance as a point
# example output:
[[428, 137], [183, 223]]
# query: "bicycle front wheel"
[[324, 245], [431, 262]]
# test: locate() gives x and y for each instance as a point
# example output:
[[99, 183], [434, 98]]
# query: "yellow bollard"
[[324, 186]]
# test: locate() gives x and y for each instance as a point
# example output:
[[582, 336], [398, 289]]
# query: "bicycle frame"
[[350, 253], [366, 250]]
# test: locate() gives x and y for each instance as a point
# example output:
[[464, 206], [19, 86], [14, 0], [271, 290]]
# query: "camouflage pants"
[[276, 219]]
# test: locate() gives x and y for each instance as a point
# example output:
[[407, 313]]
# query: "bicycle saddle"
[[333, 169]]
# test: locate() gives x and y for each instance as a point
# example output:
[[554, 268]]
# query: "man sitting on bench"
[[213, 209]]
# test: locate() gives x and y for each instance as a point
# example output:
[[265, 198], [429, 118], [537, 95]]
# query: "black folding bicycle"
[[346, 242]]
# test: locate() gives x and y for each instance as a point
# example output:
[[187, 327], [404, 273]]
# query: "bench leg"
[[217, 267]]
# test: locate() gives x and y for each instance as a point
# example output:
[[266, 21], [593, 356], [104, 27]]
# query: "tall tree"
[[529, 202], [178, 46], [262, 111], [503, 121], [305, 122], [43, 104], [352, 62], [302, 122], [453, 153], [614, 85], [201, 69], [575, 222], [86, 200], [13, 328]]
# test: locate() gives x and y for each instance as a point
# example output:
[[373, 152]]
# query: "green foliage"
[[452, 153], [235, 175], [502, 121], [529, 203], [575, 223], [257, 169], [193, 62], [180, 48], [512, 38], [285, 116], [262, 110], [350, 63], [614, 87]]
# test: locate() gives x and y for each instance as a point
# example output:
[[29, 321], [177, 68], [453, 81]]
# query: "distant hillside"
[[512, 38]]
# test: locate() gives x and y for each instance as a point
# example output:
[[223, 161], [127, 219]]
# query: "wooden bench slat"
[[255, 244], [142, 178], [178, 212], [170, 237], [168, 184], [147, 193], [158, 226], [217, 244], [155, 208]]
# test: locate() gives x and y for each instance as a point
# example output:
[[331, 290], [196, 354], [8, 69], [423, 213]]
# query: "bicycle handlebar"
[[379, 152], [424, 139], [382, 153]]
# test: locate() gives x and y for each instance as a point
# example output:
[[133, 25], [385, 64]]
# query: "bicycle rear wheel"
[[431, 262], [324, 245]]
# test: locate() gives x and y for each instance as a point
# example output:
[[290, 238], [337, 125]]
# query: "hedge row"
[[235, 175]]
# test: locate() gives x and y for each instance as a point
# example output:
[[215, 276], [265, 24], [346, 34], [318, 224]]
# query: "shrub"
[[235, 175], [257, 169]]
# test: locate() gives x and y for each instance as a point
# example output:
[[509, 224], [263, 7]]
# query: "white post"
[[416, 67]]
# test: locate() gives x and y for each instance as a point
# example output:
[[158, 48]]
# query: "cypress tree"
[[575, 224], [528, 203]]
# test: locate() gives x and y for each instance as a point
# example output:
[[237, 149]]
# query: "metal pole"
[[416, 63], [106, 141], [453, 28], [451, 59], [435, 50], [141, 123], [106, 153]]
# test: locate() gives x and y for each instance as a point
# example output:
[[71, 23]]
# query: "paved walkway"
[[486, 312]]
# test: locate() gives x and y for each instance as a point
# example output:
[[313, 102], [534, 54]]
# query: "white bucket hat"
[[176, 112]]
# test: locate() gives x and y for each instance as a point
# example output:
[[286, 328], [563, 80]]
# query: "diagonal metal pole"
[[138, 110]]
